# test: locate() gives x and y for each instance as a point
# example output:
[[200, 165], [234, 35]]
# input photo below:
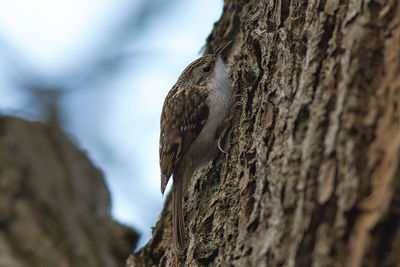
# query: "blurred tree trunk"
[[312, 175], [54, 204]]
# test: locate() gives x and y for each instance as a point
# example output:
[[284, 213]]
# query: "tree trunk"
[[311, 176], [54, 205]]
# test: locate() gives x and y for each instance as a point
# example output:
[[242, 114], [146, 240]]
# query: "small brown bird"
[[193, 110]]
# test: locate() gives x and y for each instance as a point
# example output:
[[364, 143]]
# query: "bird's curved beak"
[[221, 49]]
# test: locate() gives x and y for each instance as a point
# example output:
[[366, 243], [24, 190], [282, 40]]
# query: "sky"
[[114, 62]]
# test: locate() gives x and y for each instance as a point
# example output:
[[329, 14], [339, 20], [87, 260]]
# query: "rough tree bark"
[[312, 176]]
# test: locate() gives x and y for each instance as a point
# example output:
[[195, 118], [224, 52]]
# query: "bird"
[[192, 114]]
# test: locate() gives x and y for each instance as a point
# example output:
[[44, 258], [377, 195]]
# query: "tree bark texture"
[[311, 176]]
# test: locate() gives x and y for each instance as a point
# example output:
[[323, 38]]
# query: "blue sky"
[[114, 117]]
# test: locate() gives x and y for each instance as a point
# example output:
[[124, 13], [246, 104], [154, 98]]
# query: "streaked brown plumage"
[[193, 109]]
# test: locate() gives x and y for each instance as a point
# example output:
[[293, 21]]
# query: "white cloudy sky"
[[115, 117]]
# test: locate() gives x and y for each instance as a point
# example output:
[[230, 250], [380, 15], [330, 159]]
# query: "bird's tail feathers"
[[177, 218]]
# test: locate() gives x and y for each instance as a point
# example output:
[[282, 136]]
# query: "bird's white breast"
[[219, 103]]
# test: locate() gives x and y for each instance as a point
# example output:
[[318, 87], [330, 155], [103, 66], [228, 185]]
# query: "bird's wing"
[[183, 116]]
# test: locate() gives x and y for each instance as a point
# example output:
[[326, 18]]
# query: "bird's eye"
[[206, 68]]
